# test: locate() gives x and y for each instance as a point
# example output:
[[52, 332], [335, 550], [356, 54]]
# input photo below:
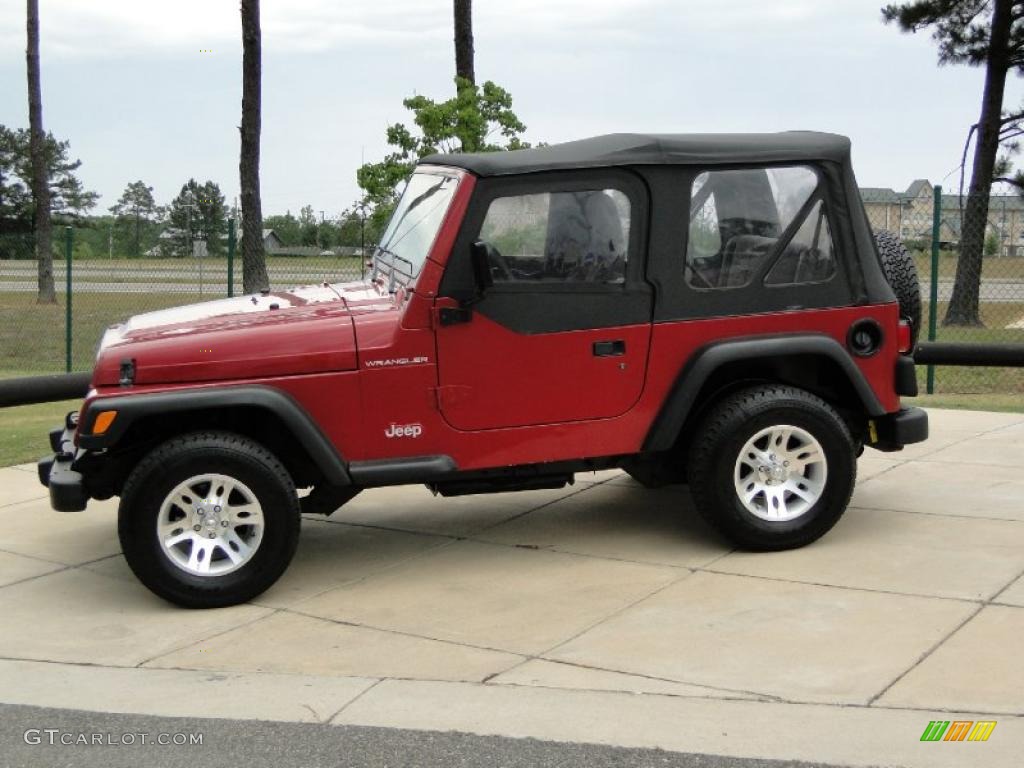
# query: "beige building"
[[910, 213]]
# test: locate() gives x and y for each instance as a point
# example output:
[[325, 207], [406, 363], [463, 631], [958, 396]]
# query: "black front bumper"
[[895, 430], [67, 488]]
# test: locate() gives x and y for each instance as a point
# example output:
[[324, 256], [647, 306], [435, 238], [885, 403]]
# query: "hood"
[[279, 333]]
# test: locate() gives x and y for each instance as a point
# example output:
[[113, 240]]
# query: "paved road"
[[232, 743]]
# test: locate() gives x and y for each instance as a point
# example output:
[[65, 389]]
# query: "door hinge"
[[453, 315]]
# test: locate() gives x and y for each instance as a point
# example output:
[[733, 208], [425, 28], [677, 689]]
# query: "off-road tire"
[[722, 436], [901, 274], [194, 454]]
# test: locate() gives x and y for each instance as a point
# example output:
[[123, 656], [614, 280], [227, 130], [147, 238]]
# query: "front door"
[[564, 332]]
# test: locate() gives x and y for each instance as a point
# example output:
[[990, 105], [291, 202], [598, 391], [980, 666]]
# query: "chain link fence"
[[987, 305], [972, 276], [38, 338]]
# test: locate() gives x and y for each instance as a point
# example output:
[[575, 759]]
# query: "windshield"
[[414, 224]]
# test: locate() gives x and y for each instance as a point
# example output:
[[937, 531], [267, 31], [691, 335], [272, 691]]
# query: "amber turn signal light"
[[103, 421]]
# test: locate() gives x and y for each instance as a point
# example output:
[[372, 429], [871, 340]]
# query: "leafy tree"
[[979, 33], [69, 200], [198, 213], [307, 226], [286, 227], [254, 258], [136, 215], [476, 119], [992, 244], [15, 200]]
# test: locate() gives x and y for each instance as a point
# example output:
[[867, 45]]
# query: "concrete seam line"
[[1005, 587], [354, 699], [36, 557], [689, 572], [37, 576], [402, 633], [655, 678], [978, 601], [926, 654], [951, 515]]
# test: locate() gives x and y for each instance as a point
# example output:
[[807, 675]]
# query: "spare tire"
[[901, 273]]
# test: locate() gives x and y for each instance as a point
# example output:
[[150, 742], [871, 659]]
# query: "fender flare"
[[130, 408], [706, 360]]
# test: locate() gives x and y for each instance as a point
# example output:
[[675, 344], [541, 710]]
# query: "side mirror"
[[479, 255]]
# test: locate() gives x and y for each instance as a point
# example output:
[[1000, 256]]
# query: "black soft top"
[[617, 149]]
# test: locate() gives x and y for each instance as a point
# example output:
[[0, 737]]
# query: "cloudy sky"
[[151, 89]]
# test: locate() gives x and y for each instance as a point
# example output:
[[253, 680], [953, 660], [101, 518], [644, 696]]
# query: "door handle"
[[614, 348]]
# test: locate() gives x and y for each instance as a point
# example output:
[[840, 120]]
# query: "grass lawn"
[[995, 268], [32, 335], [24, 430]]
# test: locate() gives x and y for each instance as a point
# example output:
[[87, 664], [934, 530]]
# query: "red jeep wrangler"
[[707, 309]]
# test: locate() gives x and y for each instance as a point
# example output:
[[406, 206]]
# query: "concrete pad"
[[15, 568], [943, 420], [939, 488], [414, 508], [856, 736], [32, 528], [794, 641], [17, 486], [619, 523], [870, 464], [174, 693], [27, 468], [330, 554], [997, 449], [79, 616], [936, 442], [978, 668], [899, 552], [1013, 594], [491, 596], [327, 648], [604, 476], [548, 674]]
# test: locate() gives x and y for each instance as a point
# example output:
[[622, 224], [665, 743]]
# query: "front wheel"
[[209, 520], [772, 467]]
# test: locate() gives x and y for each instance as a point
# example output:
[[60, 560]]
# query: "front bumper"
[[67, 488], [895, 430]]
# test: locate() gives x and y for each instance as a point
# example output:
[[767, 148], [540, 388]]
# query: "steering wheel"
[[499, 266]]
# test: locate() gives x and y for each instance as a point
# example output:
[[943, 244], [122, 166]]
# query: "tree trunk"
[[37, 151], [964, 303], [254, 262], [464, 40]]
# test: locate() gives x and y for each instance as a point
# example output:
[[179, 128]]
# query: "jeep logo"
[[404, 430]]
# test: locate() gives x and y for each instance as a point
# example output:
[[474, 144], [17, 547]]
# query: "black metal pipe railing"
[[29, 390], [980, 355]]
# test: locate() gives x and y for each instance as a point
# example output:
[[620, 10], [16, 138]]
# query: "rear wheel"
[[772, 467], [208, 520]]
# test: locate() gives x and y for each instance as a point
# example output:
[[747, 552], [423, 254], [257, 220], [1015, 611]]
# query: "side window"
[[580, 236], [809, 256], [736, 220]]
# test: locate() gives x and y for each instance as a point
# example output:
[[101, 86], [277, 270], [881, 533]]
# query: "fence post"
[[68, 239], [933, 303], [231, 257]]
